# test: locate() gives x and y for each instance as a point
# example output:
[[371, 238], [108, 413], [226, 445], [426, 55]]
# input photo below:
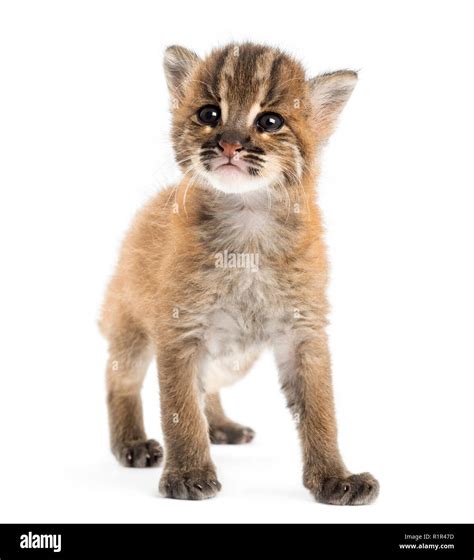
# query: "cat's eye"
[[209, 114], [269, 122]]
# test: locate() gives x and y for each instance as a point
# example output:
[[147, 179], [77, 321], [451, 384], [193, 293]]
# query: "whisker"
[[173, 189], [295, 181], [287, 199], [184, 160]]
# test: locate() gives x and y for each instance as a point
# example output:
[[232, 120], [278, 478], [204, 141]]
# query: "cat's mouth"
[[234, 174], [229, 169], [225, 165]]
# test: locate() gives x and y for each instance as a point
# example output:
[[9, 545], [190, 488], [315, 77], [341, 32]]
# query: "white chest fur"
[[247, 306]]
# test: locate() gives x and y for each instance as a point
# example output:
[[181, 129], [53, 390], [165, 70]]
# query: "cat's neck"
[[271, 222]]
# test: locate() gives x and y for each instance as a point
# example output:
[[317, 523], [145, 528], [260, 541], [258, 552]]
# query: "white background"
[[84, 142]]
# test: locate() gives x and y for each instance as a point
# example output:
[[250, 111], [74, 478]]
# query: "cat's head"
[[246, 117]]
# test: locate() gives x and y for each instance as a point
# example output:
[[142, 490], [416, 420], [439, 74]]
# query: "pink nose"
[[229, 149]]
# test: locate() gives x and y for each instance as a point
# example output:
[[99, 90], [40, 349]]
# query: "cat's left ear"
[[179, 64], [329, 94]]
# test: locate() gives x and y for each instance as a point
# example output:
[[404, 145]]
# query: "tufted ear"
[[329, 94], [179, 63]]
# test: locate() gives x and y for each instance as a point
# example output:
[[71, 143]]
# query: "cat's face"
[[246, 117]]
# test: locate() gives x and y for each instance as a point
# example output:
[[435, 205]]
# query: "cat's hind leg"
[[222, 430], [129, 357]]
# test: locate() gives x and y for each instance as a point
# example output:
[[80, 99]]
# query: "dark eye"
[[209, 114], [269, 122]]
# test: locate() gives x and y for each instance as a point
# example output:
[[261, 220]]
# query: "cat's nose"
[[229, 149]]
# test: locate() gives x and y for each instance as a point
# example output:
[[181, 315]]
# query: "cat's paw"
[[231, 434], [197, 484], [139, 454], [354, 490]]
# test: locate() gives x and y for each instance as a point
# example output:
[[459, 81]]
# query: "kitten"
[[227, 262]]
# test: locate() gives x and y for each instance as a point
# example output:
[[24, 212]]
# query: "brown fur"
[[168, 296]]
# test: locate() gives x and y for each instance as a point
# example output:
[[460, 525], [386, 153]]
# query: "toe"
[[197, 485], [155, 453], [247, 435], [231, 434], [358, 489], [140, 454]]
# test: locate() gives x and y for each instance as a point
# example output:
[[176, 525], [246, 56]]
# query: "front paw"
[[194, 484], [354, 490]]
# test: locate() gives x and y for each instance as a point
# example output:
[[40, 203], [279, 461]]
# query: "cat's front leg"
[[305, 374], [189, 473]]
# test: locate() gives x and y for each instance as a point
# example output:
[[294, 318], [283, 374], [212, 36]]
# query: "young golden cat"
[[227, 262]]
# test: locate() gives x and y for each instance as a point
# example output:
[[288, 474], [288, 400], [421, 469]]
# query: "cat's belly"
[[223, 371], [231, 348]]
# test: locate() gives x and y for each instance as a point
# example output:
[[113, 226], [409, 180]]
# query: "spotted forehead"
[[244, 78]]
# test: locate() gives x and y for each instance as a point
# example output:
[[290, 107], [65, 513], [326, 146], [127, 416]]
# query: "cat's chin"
[[232, 180]]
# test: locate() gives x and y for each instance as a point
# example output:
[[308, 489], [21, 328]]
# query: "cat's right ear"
[[179, 64]]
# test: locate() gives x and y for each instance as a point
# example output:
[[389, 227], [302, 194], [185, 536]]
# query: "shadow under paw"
[[140, 454]]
